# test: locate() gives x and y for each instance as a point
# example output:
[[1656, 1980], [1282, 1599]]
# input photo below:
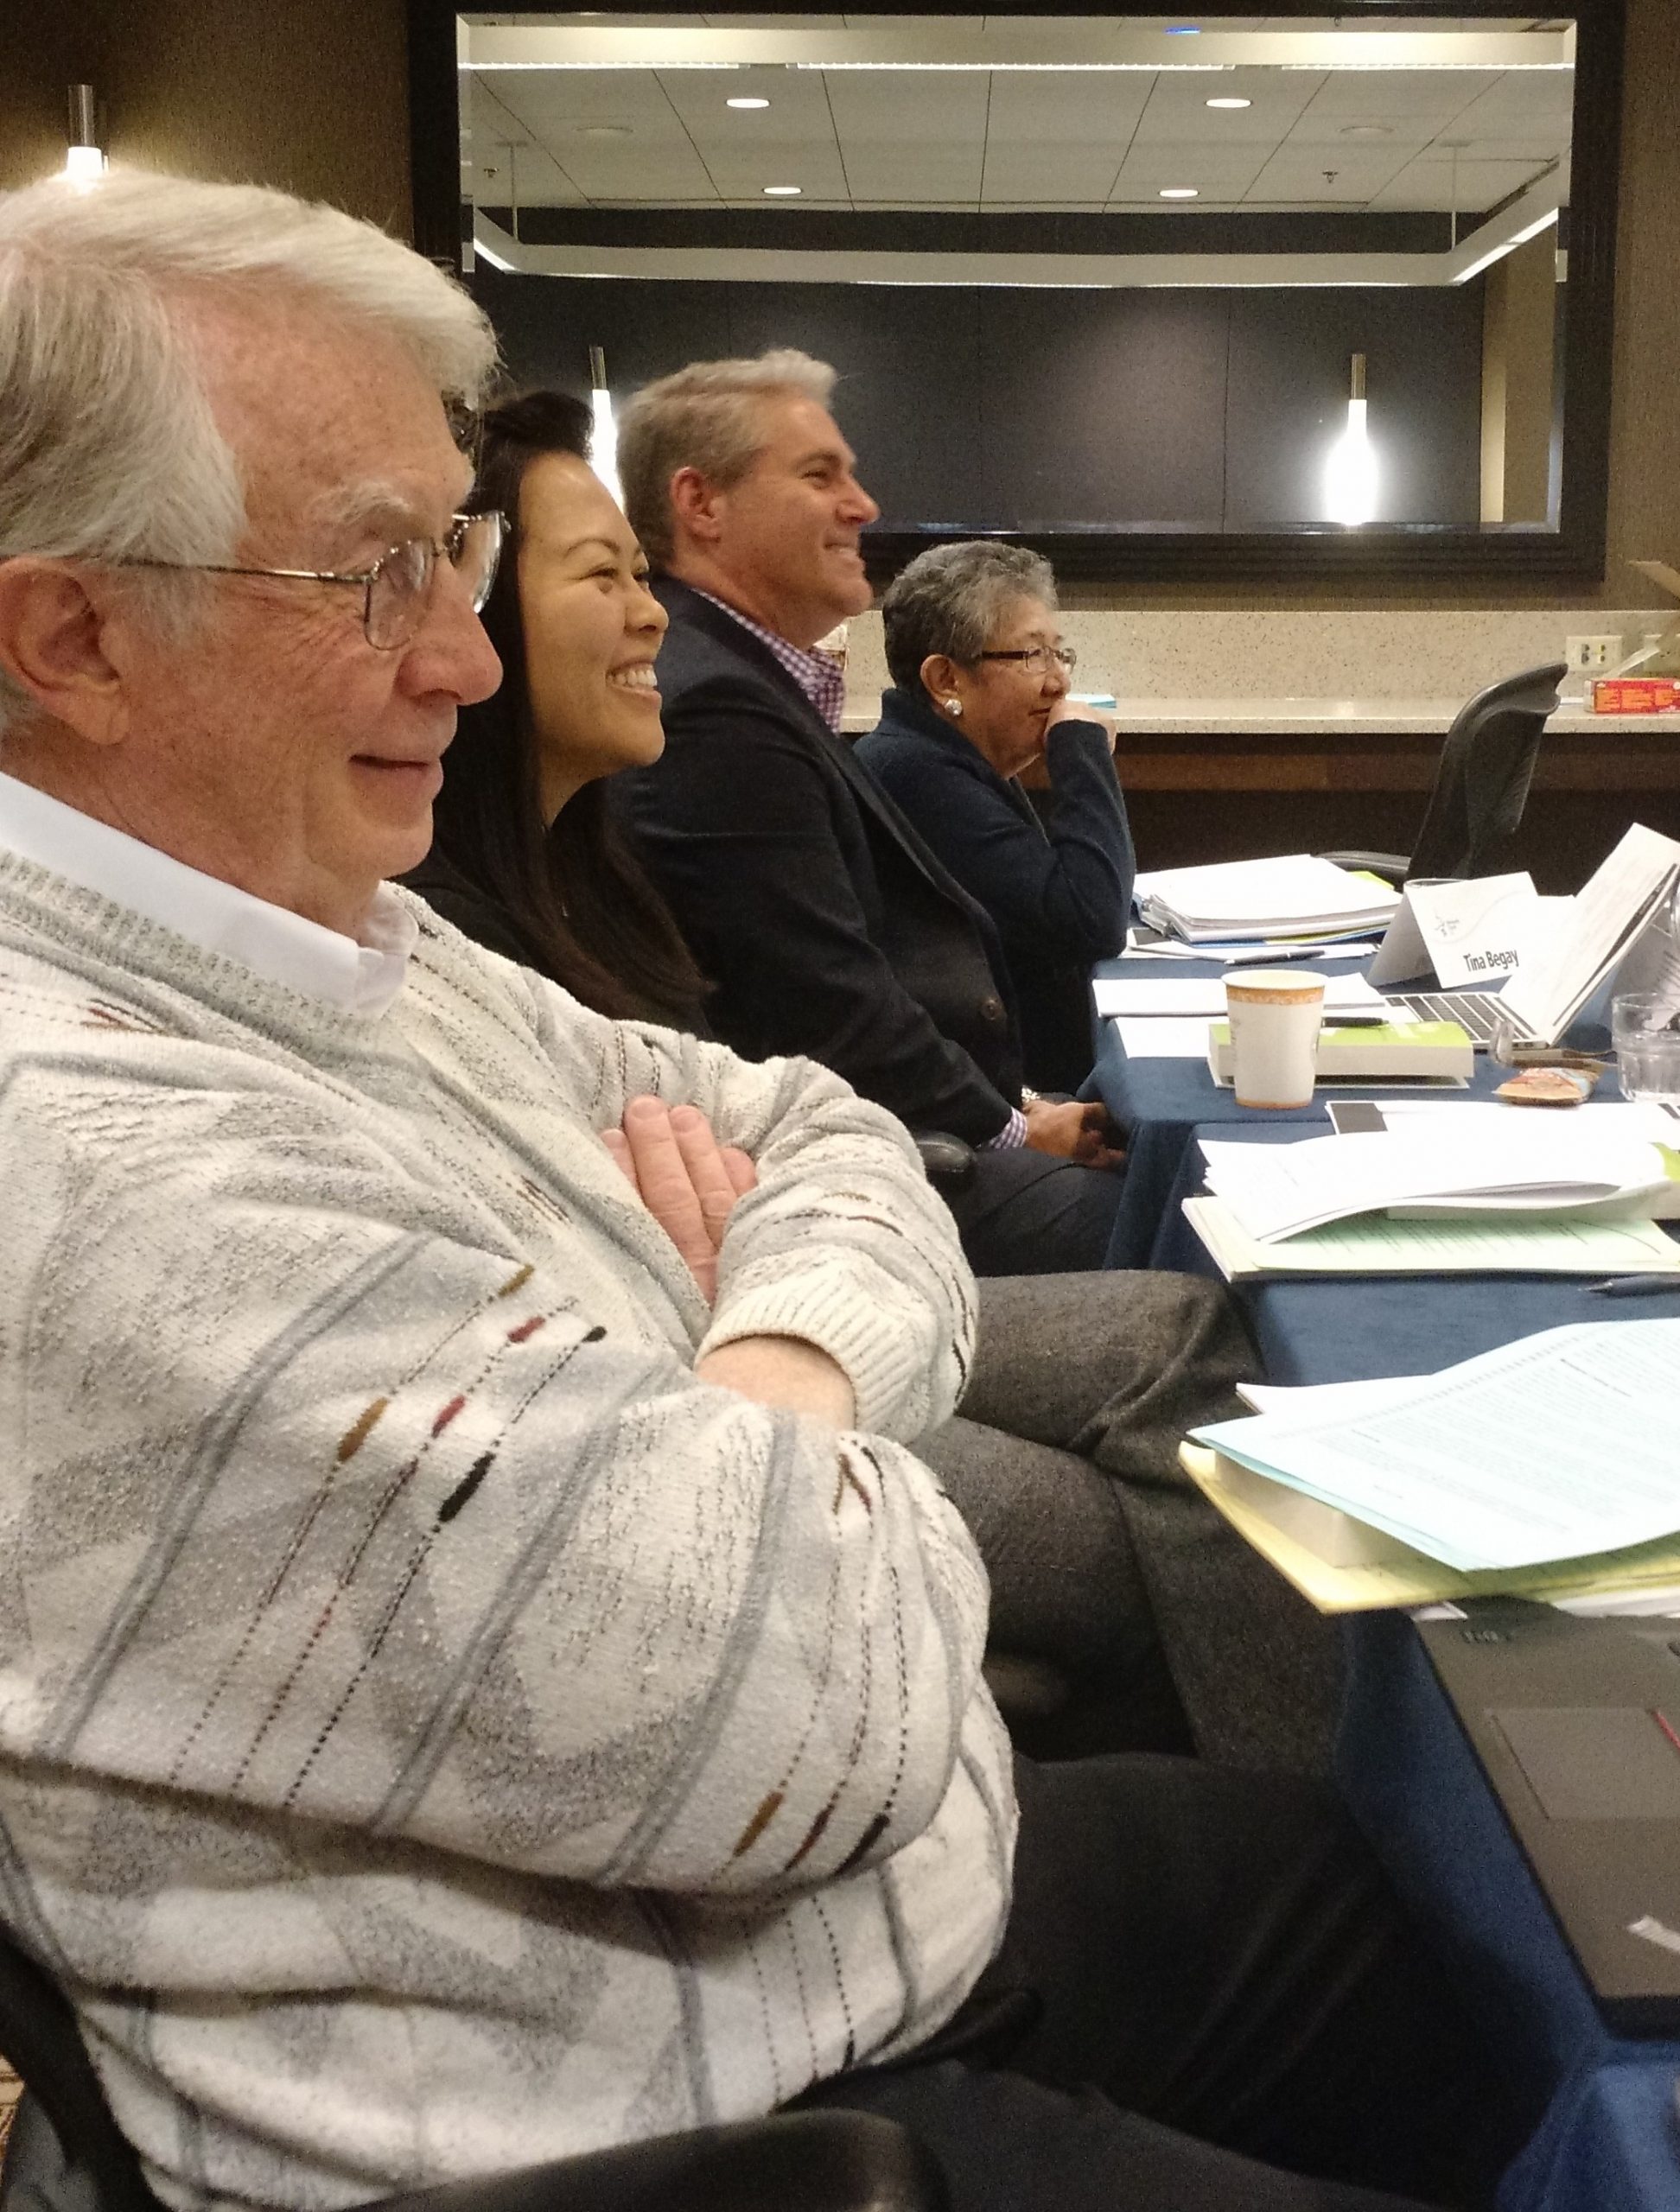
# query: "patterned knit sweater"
[[436, 1733]]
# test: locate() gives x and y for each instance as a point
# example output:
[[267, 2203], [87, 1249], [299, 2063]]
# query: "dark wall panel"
[[908, 397], [989, 409], [1290, 354], [1102, 407], [547, 324]]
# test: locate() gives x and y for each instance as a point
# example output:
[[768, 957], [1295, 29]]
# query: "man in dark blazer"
[[831, 930], [825, 922]]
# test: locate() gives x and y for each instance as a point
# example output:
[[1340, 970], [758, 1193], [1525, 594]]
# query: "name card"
[[1468, 932]]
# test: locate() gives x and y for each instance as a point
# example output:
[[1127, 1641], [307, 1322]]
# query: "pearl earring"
[[953, 706]]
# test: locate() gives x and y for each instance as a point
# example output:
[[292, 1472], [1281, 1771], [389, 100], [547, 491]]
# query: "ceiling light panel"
[[656, 163], [901, 147], [1428, 183], [1351, 177], [1177, 112], [1221, 176], [533, 174], [791, 142], [1433, 96], [1027, 138]]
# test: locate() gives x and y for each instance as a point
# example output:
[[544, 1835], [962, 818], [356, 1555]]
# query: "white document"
[[1156, 995], [1477, 932], [1277, 1190], [1558, 1446], [1622, 1117], [1342, 1398], [1156, 1037], [1545, 994]]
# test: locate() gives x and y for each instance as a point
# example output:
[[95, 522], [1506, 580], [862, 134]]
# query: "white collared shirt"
[[361, 974]]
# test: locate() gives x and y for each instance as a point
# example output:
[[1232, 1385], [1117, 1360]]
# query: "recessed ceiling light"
[[1184, 30], [1366, 130], [783, 191], [603, 131], [1178, 192], [746, 103], [1231, 103]]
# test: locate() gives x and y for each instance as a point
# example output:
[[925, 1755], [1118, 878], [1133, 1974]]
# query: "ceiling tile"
[[1481, 184]]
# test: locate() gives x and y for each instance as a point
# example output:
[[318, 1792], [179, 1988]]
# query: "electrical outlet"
[[1591, 655]]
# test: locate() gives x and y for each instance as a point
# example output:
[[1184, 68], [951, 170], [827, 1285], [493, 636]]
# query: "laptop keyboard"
[[1475, 1011]]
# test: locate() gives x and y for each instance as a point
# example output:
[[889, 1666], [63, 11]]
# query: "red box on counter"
[[1633, 695]]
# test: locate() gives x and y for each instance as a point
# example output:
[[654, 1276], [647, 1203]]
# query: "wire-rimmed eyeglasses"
[[395, 589], [1040, 658]]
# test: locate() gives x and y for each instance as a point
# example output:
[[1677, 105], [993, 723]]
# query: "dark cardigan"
[[1058, 891]]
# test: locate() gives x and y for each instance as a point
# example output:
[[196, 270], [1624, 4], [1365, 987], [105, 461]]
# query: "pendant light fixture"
[[603, 444], [1350, 479], [83, 162]]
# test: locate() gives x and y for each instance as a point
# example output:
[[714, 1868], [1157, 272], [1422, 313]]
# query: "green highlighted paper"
[[1373, 1244]]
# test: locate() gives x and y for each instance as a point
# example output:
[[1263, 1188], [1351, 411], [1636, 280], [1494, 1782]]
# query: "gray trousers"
[[1104, 1559]]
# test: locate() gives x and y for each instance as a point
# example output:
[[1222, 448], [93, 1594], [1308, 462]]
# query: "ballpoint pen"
[[1640, 1287]]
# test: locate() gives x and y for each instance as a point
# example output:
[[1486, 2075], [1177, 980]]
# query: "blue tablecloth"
[[1609, 2138], [1608, 2141], [1160, 1102]]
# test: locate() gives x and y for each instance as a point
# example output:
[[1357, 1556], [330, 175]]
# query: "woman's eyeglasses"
[[395, 589], [1040, 659]]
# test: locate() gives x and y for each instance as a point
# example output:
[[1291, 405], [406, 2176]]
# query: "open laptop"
[[1474, 1011], [1576, 1724]]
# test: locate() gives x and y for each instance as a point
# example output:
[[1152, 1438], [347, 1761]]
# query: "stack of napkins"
[[1519, 1469], [1297, 897]]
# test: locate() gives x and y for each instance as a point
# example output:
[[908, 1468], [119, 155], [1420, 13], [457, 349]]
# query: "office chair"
[[1481, 781], [65, 2152]]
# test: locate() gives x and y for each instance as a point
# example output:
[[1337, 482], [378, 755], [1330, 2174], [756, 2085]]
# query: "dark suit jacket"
[[827, 925], [1059, 894]]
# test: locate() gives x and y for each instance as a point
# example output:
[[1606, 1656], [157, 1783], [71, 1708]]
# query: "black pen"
[[1640, 1287]]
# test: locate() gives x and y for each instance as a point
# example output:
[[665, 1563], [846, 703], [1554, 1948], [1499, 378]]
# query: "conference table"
[[1608, 2136]]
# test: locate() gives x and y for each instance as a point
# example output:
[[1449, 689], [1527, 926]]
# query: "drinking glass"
[[1645, 1028]]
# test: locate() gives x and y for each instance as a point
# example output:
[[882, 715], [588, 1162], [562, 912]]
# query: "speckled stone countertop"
[[1303, 716]]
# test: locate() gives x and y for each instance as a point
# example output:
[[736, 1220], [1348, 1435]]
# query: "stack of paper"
[[1521, 1469], [1145, 945], [1293, 897], [1375, 1245], [1473, 1190], [1516, 1166]]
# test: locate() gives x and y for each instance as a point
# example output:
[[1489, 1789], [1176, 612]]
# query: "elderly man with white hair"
[[484, 1677]]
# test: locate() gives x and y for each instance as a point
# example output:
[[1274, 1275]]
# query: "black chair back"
[[94, 2160], [1482, 782], [66, 2154]]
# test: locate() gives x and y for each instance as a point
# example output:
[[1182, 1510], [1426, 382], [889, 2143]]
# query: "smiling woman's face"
[[591, 628], [1006, 704]]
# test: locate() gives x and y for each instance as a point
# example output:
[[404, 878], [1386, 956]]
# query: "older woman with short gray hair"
[[980, 690]]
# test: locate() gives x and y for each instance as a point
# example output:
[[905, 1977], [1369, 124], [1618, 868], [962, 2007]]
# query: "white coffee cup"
[[1275, 1016]]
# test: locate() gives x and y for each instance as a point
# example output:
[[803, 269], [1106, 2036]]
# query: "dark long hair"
[[573, 895]]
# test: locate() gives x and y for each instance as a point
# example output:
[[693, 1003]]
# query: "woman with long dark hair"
[[524, 858]]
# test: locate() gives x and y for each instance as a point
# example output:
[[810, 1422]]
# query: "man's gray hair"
[[949, 599], [708, 417], [108, 446]]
